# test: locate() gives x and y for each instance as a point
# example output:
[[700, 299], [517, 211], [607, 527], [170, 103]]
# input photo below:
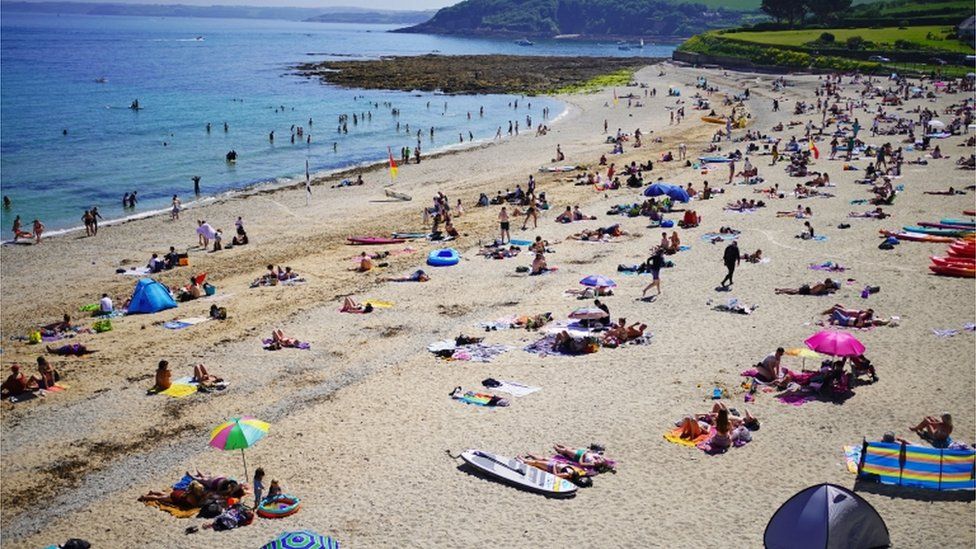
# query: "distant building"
[[967, 30]]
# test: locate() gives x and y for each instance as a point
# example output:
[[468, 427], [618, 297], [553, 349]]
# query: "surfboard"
[[398, 196], [374, 240], [518, 474], [410, 235]]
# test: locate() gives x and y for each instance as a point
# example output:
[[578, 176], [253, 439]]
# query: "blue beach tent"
[[150, 297], [826, 516]]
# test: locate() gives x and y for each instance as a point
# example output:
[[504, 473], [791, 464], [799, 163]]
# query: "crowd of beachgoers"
[[658, 207]]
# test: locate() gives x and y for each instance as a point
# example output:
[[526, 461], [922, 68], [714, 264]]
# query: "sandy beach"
[[361, 423]]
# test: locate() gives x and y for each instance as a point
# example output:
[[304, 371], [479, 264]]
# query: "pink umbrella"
[[835, 343]]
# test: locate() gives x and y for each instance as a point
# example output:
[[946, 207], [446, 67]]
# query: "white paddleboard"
[[518, 474]]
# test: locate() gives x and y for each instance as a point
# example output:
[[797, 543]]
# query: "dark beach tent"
[[826, 516], [150, 297]]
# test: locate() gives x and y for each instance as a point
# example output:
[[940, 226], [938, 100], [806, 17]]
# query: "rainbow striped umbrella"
[[238, 433]]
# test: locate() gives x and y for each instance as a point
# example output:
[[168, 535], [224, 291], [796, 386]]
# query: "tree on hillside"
[[790, 11], [825, 9]]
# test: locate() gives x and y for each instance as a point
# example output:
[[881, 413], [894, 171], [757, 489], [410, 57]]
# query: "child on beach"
[[258, 486]]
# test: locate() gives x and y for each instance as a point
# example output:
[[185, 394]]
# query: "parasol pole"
[[245, 464]]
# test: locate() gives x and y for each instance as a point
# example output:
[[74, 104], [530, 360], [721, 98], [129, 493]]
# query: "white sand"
[[361, 422]]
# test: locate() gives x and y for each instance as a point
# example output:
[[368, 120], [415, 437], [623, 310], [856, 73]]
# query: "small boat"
[[951, 270], [524, 42], [623, 46], [101, 80], [641, 43]]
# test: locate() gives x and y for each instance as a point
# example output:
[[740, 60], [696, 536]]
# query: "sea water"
[[69, 142]]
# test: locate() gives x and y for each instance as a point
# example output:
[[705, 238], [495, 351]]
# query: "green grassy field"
[[884, 37]]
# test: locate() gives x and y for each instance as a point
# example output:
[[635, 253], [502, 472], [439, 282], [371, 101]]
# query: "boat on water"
[[101, 80], [641, 43], [621, 45], [524, 42]]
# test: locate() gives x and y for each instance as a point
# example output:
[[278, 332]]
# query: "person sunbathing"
[[828, 286], [163, 377], [71, 349], [876, 213], [580, 216], [365, 263], [58, 327], [576, 475], [620, 333], [539, 265], [566, 216], [585, 457], [754, 257], [47, 376], [570, 345], [349, 305], [747, 420], [16, 383], [417, 276], [279, 340], [204, 378], [721, 439], [190, 498], [935, 429], [853, 317], [949, 192]]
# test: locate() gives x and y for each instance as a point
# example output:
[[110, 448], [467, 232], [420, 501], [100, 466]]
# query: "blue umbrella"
[[598, 281], [302, 539], [675, 192]]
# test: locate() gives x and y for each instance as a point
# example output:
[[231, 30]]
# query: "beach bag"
[[34, 337], [210, 510], [102, 326], [75, 543], [209, 289]]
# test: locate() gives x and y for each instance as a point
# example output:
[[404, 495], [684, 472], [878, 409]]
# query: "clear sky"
[[377, 4]]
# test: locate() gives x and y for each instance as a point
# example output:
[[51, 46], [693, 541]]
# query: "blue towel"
[[520, 242], [184, 483]]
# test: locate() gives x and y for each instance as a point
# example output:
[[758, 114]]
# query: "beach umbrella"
[[835, 343], [675, 192], [588, 313], [238, 433], [803, 353], [598, 281], [936, 124], [301, 539]]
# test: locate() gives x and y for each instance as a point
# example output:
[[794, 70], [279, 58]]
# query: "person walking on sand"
[[87, 220], [504, 224], [731, 258], [38, 231], [656, 263], [95, 217], [174, 213], [533, 212]]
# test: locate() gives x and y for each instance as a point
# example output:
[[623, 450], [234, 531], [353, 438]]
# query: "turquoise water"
[[187, 72]]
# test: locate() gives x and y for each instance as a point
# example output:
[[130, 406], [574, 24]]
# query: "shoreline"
[[287, 182]]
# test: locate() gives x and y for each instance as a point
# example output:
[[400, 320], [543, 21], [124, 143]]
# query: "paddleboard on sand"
[[374, 240], [399, 196], [518, 474]]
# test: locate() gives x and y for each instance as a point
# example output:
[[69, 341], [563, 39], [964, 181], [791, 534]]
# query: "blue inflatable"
[[444, 257]]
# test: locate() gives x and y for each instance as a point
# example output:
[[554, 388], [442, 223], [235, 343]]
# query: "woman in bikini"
[[533, 212], [349, 305], [935, 429], [561, 469], [584, 457]]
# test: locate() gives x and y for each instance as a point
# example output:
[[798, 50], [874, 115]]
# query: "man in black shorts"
[[731, 258]]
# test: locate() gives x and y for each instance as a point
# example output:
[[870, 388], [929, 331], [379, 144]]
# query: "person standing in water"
[[6, 202], [196, 184], [226, 127]]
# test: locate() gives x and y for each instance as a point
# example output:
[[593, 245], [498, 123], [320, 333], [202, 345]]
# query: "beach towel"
[[181, 323], [178, 390], [713, 237], [137, 271], [515, 388], [520, 242], [503, 323], [377, 304], [852, 456], [674, 436], [945, 333], [177, 512], [829, 266], [480, 399]]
